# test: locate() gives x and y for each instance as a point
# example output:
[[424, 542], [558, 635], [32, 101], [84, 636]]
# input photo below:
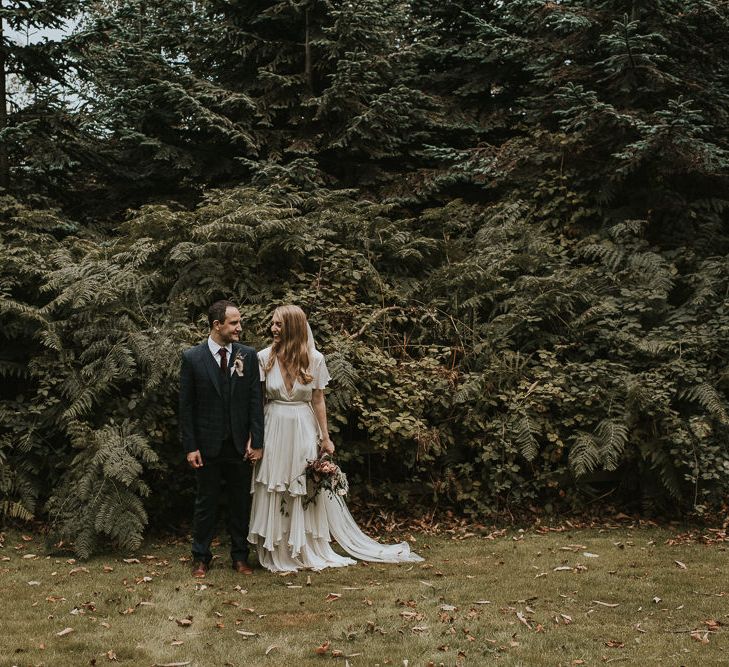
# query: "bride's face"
[[276, 328]]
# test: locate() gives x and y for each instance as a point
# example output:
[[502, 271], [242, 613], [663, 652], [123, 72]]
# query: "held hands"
[[194, 459], [326, 446], [251, 454]]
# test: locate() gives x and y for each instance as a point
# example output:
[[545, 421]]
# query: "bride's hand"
[[326, 446]]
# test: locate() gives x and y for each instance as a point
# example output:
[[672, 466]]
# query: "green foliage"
[[521, 293]]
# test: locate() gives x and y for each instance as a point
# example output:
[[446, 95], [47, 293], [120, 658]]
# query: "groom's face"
[[229, 331]]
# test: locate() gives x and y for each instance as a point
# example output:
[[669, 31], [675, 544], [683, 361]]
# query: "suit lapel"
[[212, 368]]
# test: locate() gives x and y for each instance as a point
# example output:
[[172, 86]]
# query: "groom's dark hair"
[[217, 311]]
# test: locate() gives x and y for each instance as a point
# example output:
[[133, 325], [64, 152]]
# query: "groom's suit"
[[219, 410]]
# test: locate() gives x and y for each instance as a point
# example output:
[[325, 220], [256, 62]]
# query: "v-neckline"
[[289, 392]]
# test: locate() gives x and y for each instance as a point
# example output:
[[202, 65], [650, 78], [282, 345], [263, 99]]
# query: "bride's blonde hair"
[[292, 347]]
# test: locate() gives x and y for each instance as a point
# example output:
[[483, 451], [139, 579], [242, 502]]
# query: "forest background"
[[507, 221]]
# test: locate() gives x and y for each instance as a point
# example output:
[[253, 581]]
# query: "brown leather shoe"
[[199, 569], [241, 567]]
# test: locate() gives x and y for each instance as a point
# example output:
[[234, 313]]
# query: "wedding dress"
[[287, 536]]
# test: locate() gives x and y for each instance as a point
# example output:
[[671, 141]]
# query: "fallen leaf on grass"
[[183, 622], [246, 634], [34, 583], [337, 653], [76, 570], [606, 604], [712, 625], [523, 619], [420, 628], [29, 556], [680, 564], [698, 636], [482, 602], [563, 568], [130, 560], [321, 650], [656, 600], [173, 664], [588, 554], [332, 597], [448, 607], [176, 642], [111, 656], [64, 632], [614, 643], [272, 647]]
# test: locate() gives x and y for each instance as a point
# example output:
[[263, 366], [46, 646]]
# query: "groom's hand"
[[253, 455], [194, 459]]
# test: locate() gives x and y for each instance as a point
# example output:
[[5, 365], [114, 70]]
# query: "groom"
[[221, 428]]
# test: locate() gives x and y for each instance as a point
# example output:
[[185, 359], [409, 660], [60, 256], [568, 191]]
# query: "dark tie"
[[223, 359]]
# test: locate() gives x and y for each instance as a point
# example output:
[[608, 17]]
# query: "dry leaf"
[[614, 643], [523, 619], [184, 622], [482, 602], [337, 653], [321, 650], [588, 554], [606, 604], [173, 664], [332, 597], [111, 655], [29, 556], [64, 632], [698, 636], [272, 647], [246, 634], [563, 568], [680, 564], [130, 560]]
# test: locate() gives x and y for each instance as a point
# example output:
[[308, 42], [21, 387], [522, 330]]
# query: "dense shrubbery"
[[530, 311]]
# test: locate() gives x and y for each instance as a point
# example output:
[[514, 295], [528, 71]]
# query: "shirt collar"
[[214, 347]]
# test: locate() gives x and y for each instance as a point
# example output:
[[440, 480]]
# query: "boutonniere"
[[239, 364]]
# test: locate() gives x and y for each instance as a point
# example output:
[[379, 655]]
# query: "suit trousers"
[[228, 470]]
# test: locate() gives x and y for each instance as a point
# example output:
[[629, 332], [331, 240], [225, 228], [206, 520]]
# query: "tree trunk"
[[4, 166], [307, 57]]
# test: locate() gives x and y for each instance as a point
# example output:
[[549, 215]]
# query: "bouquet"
[[323, 473]]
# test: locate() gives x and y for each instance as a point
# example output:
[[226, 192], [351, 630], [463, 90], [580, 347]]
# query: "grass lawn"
[[577, 596]]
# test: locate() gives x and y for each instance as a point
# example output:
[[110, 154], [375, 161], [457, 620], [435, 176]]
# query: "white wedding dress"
[[287, 536]]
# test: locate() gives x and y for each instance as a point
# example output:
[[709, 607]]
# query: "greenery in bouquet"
[[323, 473]]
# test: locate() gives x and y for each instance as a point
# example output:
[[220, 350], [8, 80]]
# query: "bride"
[[288, 533]]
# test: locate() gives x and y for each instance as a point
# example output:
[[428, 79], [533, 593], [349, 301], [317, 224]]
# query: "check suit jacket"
[[202, 411]]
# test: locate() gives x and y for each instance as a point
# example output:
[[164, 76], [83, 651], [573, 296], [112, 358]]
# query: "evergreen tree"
[[37, 129]]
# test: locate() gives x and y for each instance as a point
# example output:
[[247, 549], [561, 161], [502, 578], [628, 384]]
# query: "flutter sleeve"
[[320, 372]]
